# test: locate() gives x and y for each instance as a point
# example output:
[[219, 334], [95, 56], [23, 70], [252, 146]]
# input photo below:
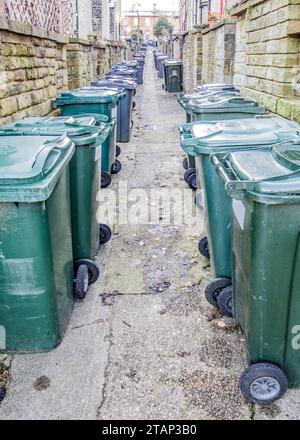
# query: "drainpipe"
[[77, 17]]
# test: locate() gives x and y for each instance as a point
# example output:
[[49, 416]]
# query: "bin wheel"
[[81, 282], [192, 182], [93, 269], [203, 248], [213, 290], [185, 164], [105, 179], [105, 234], [116, 168], [188, 173], [224, 300], [118, 151], [199, 201], [263, 383]]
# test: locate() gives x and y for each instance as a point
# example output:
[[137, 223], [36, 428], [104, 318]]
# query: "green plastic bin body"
[[36, 260], [85, 173], [220, 107], [204, 138], [99, 101], [184, 100], [173, 76], [266, 254]]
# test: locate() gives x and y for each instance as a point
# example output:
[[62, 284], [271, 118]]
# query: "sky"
[[147, 5]]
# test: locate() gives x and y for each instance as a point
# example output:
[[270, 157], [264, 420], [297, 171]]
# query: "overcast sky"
[[147, 5]]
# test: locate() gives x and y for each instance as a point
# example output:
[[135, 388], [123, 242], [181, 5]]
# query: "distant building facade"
[[146, 21]]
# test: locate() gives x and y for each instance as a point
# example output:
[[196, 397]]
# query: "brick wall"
[[33, 71], [267, 64]]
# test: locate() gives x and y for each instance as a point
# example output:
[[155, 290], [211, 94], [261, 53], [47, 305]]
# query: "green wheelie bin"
[[202, 139], [85, 166], [265, 189], [103, 101], [219, 108], [36, 259], [173, 76], [183, 100]]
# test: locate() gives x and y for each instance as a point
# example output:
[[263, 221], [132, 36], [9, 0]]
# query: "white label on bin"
[[98, 153], [2, 338], [239, 212]]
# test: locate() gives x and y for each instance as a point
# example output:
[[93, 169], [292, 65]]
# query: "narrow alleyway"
[[145, 344]]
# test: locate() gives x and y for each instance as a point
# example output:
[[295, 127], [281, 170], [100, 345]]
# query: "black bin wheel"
[[105, 179], [118, 151], [185, 164], [263, 383], [199, 201], [82, 282], [188, 173], [105, 234], [92, 267], [203, 248], [213, 290], [192, 182], [116, 168], [225, 302]]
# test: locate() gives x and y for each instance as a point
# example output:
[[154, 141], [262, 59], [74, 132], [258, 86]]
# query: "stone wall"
[[35, 66], [190, 55], [33, 70], [218, 46], [267, 64]]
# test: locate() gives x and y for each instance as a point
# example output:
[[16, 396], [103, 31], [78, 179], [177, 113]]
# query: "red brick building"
[[146, 20]]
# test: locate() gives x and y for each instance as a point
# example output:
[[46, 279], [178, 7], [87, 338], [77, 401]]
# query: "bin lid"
[[244, 132], [123, 83], [90, 95], [199, 96], [30, 166], [123, 71], [224, 104], [275, 171], [215, 86], [82, 129], [173, 63]]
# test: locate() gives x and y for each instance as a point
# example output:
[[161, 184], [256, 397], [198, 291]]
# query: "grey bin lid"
[[215, 86], [223, 104], [198, 96], [115, 82], [273, 171], [245, 132], [86, 95], [83, 132], [173, 63]]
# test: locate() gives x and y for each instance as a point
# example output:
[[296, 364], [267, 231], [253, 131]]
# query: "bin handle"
[[242, 100], [99, 118], [189, 145], [44, 154], [104, 134]]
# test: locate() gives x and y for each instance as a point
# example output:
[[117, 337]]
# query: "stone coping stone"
[[27, 29]]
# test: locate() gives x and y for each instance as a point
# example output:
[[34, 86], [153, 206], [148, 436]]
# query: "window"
[[147, 21], [136, 21]]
